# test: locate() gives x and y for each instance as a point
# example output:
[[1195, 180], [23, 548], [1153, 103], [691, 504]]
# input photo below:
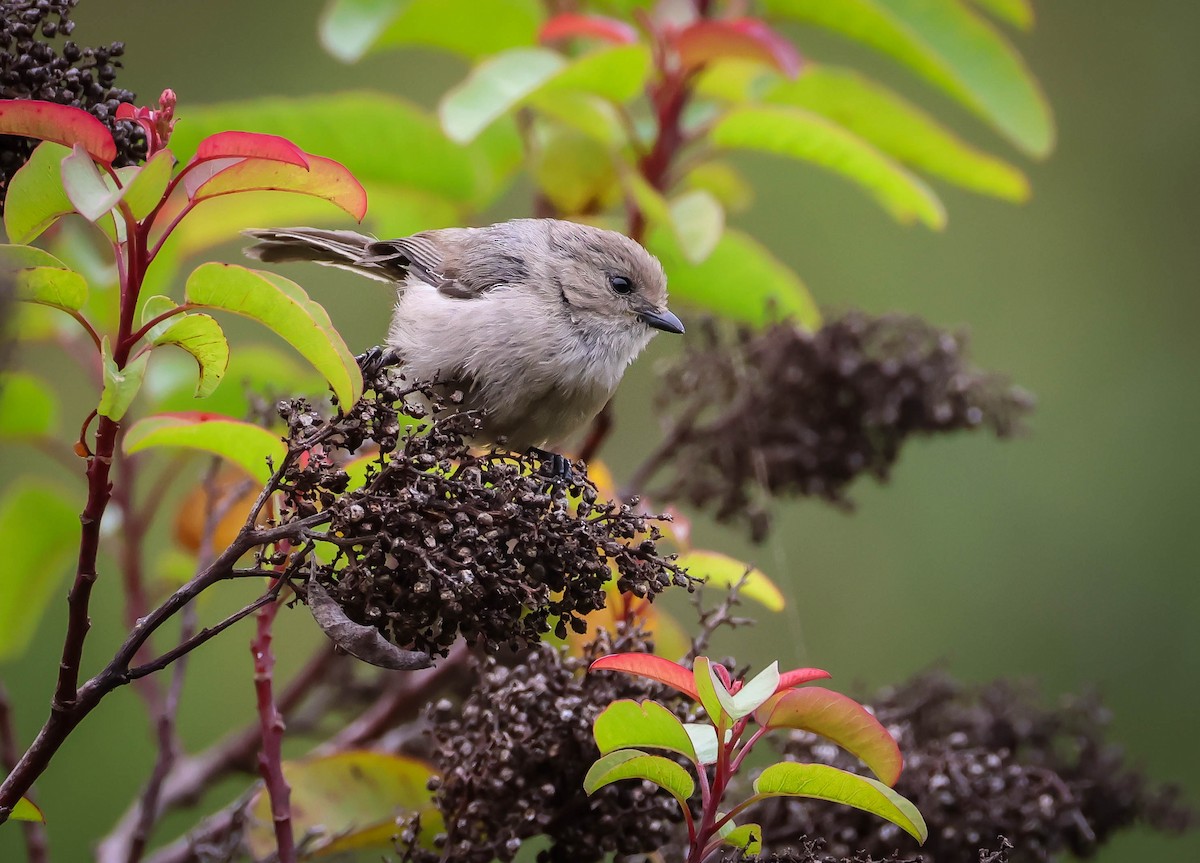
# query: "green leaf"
[[626, 724], [346, 802], [709, 691], [953, 48], [244, 444], [505, 81], [91, 194], [48, 529], [574, 172], [284, 308], [1018, 13], [28, 409], [147, 183], [120, 385], [740, 280], [199, 335], [748, 837], [634, 764], [723, 182], [472, 28], [582, 112], [900, 129], [698, 221], [618, 73], [336, 125], [494, 88], [840, 719], [49, 286], [347, 28], [36, 198], [723, 571], [25, 810], [822, 782], [799, 134]]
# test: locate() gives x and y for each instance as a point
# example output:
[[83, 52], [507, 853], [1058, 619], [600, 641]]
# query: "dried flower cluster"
[[783, 411], [513, 757], [31, 68], [984, 763], [441, 542]]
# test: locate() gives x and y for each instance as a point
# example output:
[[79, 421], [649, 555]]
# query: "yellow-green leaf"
[[36, 198], [698, 221], [634, 764], [246, 445], [952, 47], [472, 28], [27, 407], [822, 782], [202, 337], [146, 184], [48, 528], [748, 837], [809, 137], [1018, 13], [721, 570], [900, 129], [626, 724], [346, 802], [283, 307], [25, 810], [740, 280], [121, 385]]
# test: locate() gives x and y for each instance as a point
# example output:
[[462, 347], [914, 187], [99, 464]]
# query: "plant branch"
[[36, 848]]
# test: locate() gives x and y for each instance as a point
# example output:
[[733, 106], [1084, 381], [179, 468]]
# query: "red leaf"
[[744, 38], [797, 676], [569, 25], [61, 124], [324, 178], [654, 667], [840, 719], [252, 145]]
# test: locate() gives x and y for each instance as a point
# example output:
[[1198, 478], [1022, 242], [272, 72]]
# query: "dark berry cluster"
[[443, 542], [986, 763], [32, 68], [513, 757], [783, 411], [812, 851]]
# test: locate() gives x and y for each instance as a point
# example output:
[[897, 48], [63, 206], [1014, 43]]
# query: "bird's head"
[[608, 278]]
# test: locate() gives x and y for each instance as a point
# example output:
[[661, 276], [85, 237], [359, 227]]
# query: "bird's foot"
[[555, 465], [375, 360]]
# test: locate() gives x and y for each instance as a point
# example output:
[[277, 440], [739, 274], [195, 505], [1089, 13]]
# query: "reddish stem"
[[35, 833], [270, 757]]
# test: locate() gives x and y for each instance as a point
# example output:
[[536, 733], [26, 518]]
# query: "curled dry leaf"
[[361, 642]]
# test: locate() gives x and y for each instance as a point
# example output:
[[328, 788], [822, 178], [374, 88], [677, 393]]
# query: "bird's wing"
[[417, 255]]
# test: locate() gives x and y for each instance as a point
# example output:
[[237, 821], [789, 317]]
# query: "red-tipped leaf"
[[324, 178], [740, 38], [665, 671], [61, 124], [251, 145], [570, 25], [798, 676], [840, 719]]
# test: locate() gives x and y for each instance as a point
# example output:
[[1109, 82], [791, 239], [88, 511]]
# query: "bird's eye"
[[620, 284]]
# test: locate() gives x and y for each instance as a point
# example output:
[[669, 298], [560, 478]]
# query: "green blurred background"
[[1067, 557]]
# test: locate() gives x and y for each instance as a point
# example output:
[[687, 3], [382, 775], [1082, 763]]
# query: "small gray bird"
[[536, 319]]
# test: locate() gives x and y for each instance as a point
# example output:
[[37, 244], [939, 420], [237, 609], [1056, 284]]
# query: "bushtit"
[[536, 319]]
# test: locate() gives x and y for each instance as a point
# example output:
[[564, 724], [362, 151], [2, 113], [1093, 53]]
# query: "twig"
[[270, 757], [35, 832]]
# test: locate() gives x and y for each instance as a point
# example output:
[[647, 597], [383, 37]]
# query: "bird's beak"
[[664, 320]]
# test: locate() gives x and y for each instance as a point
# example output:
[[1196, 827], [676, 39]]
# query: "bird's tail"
[[344, 249]]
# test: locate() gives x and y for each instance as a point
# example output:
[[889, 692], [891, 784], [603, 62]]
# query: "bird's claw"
[[556, 466], [375, 360]]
